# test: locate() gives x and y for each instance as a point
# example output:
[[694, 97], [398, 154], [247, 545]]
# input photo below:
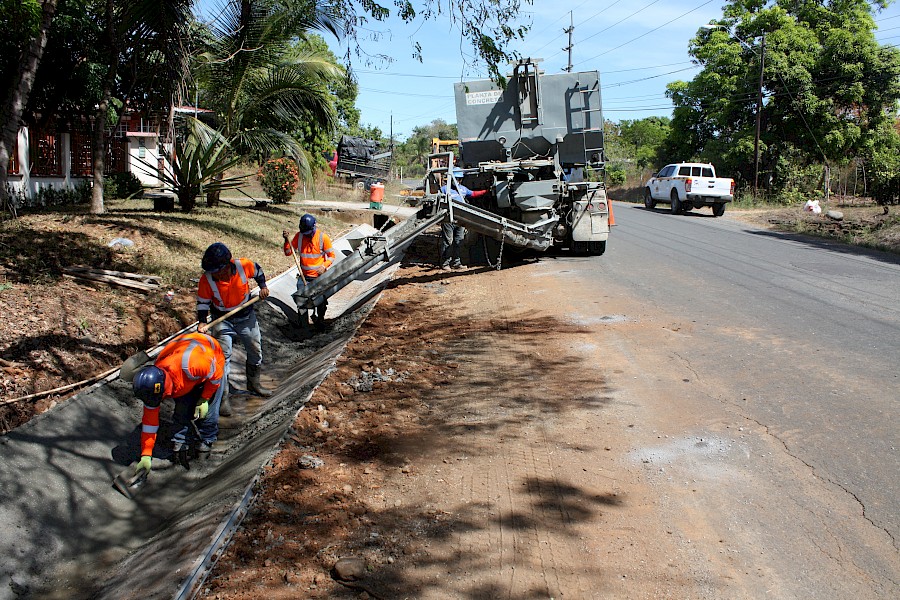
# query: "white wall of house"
[[143, 156], [141, 147]]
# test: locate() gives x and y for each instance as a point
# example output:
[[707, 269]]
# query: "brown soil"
[[59, 331], [863, 223]]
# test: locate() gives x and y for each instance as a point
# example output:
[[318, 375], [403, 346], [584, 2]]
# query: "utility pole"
[[569, 30], [762, 65]]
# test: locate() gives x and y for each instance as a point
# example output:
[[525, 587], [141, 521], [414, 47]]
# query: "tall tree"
[[20, 78], [260, 86], [144, 51], [828, 86]]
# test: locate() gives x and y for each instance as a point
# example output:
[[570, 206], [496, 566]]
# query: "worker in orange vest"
[[225, 285], [189, 370], [313, 247]]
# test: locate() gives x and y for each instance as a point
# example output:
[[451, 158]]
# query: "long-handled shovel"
[[297, 262], [134, 363]]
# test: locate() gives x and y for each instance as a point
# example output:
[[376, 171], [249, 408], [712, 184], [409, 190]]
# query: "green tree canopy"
[[828, 87]]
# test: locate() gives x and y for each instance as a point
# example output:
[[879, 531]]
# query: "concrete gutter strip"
[[66, 533]]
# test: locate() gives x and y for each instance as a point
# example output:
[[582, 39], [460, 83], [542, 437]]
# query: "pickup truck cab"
[[689, 185]]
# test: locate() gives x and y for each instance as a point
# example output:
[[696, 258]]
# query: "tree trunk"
[[212, 198], [17, 97], [98, 158], [99, 151]]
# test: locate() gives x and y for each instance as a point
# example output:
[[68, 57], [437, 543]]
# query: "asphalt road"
[[803, 335]]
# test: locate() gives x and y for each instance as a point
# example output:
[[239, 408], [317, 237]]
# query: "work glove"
[[145, 464], [202, 410], [284, 234]]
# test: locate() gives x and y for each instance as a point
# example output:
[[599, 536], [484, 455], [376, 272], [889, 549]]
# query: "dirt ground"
[[424, 466]]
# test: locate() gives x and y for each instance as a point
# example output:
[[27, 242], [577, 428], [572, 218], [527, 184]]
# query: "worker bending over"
[[313, 247], [225, 285], [190, 370]]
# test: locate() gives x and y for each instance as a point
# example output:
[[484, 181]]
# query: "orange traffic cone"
[[612, 218]]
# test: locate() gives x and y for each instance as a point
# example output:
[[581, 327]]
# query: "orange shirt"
[[189, 360], [228, 294], [315, 250]]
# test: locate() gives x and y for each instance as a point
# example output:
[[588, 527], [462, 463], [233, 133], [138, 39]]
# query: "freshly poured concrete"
[[66, 533]]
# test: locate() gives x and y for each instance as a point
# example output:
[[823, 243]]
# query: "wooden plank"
[[127, 283], [121, 274]]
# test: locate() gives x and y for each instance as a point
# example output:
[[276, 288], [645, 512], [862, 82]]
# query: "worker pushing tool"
[[190, 370], [225, 285], [316, 253]]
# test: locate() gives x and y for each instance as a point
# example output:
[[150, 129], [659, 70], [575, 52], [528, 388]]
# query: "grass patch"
[[36, 247]]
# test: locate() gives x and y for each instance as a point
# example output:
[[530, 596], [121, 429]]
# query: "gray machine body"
[[536, 115], [529, 142]]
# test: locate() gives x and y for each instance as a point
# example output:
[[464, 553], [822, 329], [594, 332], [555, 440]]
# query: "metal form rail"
[[389, 246]]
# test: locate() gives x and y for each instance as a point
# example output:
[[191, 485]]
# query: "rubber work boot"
[[253, 383], [225, 405], [204, 450]]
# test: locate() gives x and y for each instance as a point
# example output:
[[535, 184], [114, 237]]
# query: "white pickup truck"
[[689, 185]]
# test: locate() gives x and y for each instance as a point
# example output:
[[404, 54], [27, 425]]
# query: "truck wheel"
[[649, 202], [718, 209], [676, 203]]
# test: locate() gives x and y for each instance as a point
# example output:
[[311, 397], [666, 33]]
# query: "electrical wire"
[[648, 33]]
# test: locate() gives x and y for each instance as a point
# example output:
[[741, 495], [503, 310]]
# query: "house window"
[[81, 152], [45, 154], [116, 153], [14, 158]]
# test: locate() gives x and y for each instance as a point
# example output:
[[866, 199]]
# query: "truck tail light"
[[732, 188], [687, 184]]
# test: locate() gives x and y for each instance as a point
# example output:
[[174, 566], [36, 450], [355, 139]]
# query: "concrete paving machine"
[[529, 145], [532, 144]]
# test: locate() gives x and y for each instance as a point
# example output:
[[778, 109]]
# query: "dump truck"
[[529, 143], [361, 162]]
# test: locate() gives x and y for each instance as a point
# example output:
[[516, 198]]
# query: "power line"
[[651, 31]]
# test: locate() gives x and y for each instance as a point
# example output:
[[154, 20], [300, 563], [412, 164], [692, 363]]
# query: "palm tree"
[[259, 85]]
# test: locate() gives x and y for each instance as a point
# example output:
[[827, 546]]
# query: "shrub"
[[122, 185], [279, 178]]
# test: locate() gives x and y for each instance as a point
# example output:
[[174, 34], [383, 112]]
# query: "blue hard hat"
[[307, 224], [149, 384], [458, 173], [216, 256]]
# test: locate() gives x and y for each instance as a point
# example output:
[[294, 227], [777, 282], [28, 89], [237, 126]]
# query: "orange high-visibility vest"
[[189, 360], [229, 294], [315, 250]]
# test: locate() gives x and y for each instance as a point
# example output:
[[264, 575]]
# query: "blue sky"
[[638, 46]]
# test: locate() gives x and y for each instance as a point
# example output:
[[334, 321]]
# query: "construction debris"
[[135, 281]]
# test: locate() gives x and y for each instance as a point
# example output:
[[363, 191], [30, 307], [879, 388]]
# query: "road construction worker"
[[316, 254], [452, 234], [225, 285], [190, 370]]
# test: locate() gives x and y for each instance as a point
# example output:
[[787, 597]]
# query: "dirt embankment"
[[58, 330]]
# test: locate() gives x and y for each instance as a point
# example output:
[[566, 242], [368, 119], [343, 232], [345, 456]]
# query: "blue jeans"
[[451, 237], [245, 328], [185, 406]]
